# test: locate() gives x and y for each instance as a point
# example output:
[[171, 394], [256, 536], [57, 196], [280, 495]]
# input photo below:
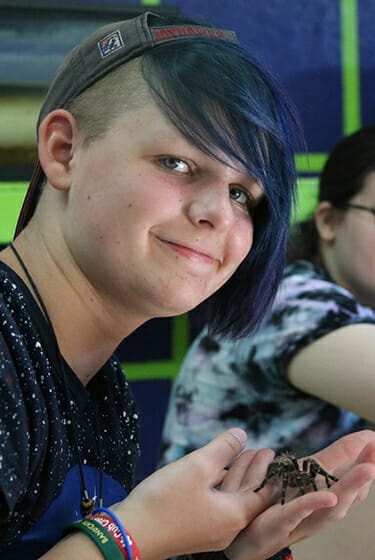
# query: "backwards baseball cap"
[[99, 54]]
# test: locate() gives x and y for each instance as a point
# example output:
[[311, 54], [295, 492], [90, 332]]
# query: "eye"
[[239, 195], [243, 198], [175, 164]]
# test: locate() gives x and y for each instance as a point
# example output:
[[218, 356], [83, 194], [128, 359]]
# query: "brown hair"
[[342, 177]]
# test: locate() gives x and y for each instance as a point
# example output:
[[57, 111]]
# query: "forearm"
[[77, 546], [337, 368]]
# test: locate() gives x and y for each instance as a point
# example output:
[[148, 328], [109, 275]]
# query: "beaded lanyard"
[[87, 503]]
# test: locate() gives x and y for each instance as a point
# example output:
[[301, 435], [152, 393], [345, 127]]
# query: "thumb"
[[367, 454], [225, 447]]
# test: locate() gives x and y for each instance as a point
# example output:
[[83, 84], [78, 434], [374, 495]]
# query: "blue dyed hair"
[[224, 102]]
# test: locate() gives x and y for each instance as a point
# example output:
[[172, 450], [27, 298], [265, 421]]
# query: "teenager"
[[165, 178]]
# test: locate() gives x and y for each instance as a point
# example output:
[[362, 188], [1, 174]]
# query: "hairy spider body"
[[285, 467]]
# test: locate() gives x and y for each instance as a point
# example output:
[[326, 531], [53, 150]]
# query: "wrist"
[[106, 531], [284, 554], [152, 541], [121, 536]]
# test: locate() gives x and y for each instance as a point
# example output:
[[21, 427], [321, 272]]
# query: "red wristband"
[[109, 525], [284, 554], [134, 548]]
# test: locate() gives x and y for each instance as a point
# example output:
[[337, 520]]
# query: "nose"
[[211, 207]]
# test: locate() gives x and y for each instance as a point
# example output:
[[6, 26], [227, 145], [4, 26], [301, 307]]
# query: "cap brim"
[[31, 199]]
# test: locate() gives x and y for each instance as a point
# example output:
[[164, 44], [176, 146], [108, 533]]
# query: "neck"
[[87, 331]]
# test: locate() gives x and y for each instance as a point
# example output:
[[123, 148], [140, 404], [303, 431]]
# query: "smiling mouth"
[[188, 253]]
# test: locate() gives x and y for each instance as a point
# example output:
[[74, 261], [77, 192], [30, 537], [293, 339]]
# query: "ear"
[[327, 219], [56, 141]]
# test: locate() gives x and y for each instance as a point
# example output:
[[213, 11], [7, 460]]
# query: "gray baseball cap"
[[100, 53]]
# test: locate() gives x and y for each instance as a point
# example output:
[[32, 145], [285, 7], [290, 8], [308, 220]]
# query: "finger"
[[352, 484], [367, 455], [362, 494], [222, 450], [344, 449], [297, 513], [254, 476], [301, 508], [350, 490], [246, 473], [284, 524], [232, 479]]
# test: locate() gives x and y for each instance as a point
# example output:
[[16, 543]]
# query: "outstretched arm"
[[338, 368]]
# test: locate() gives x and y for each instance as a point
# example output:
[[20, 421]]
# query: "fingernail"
[[241, 435]]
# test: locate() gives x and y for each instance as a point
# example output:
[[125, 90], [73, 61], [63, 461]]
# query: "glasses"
[[360, 207]]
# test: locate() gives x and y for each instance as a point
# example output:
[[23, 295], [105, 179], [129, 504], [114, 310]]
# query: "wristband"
[[113, 525], [284, 554], [103, 540]]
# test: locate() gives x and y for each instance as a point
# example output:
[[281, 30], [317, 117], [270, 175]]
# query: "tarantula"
[[286, 468]]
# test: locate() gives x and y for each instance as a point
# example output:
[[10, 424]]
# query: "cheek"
[[245, 240], [353, 244], [355, 253], [363, 252], [241, 243]]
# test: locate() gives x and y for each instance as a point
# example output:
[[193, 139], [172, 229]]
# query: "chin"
[[173, 309]]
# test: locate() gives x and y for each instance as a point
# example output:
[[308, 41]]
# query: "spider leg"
[[301, 483], [315, 469], [284, 486], [329, 477], [263, 483], [310, 473], [295, 464], [313, 483]]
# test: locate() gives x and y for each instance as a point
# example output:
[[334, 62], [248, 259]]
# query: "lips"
[[192, 253]]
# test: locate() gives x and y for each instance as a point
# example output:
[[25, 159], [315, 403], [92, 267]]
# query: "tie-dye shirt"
[[223, 383]]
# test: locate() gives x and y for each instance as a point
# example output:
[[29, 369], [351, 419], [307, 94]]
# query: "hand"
[[180, 509], [351, 459]]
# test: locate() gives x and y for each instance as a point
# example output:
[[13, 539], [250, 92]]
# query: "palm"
[[352, 460]]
